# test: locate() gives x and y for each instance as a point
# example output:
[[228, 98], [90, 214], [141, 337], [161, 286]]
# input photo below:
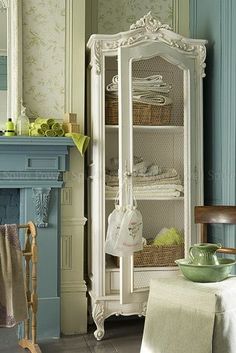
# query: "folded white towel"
[[142, 85], [143, 193], [152, 98], [152, 187]]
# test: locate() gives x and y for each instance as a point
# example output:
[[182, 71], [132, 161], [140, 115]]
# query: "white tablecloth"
[[187, 317]]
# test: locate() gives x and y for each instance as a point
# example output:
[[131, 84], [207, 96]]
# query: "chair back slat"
[[215, 214]]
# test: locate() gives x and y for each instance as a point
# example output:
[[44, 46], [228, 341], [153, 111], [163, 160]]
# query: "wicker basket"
[[154, 256], [143, 114]]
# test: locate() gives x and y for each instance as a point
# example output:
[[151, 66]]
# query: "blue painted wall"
[[3, 73], [215, 21]]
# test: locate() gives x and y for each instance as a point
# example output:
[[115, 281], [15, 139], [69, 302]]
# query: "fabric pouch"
[[114, 222], [130, 233]]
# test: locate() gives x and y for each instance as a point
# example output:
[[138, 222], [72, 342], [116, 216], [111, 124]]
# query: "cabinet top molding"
[[146, 29]]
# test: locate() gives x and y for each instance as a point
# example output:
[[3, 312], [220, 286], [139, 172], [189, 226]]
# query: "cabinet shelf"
[[149, 197], [112, 268], [150, 129]]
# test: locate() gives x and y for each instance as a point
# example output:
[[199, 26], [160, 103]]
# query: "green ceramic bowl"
[[206, 273]]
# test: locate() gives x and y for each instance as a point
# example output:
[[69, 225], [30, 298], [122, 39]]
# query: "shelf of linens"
[[150, 129], [147, 196]]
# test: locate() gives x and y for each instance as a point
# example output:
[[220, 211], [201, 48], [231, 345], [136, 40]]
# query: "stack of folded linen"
[[163, 183], [147, 90]]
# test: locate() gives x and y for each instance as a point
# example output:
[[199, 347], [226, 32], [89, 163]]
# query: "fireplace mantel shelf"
[[33, 161], [27, 140]]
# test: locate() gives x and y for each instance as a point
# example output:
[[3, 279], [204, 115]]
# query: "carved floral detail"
[[4, 4], [97, 56], [202, 51], [98, 316], [41, 199], [149, 23], [144, 310]]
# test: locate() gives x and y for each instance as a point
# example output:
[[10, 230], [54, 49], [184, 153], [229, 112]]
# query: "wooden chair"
[[215, 214]]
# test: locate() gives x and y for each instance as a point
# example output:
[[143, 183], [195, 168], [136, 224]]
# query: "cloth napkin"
[[81, 141]]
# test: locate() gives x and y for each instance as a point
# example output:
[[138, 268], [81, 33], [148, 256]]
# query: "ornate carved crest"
[[149, 23], [147, 28]]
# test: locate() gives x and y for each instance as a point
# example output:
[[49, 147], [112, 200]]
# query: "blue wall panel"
[[215, 20], [205, 23]]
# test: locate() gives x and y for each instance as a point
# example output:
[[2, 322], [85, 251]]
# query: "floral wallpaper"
[[116, 16], [43, 57]]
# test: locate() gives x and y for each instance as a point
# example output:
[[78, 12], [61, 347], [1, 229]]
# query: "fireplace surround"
[[34, 167]]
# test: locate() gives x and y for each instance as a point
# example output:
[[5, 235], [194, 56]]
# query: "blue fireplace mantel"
[[35, 166]]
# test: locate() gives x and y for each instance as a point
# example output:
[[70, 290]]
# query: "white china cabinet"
[[145, 121]]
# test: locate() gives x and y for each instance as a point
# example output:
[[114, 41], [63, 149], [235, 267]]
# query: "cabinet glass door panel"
[[111, 162], [154, 97]]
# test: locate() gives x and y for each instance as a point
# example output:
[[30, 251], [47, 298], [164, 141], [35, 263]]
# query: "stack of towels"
[[147, 90], [46, 127], [147, 178]]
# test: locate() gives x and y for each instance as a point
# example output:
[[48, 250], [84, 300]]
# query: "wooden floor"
[[121, 336]]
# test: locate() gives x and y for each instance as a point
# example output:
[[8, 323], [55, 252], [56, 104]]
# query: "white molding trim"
[[73, 222], [75, 59], [14, 77], [181, 17], [73, 286]]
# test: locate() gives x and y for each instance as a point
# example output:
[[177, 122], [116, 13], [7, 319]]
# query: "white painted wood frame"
[[14, 56], [73, 286]]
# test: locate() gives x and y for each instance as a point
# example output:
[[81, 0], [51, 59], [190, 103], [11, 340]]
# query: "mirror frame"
[[14, 56]]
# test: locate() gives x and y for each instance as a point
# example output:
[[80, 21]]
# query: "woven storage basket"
[[143, 114], [154, 256]]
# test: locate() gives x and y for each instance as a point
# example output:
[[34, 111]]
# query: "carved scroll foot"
[[98, 317], [99, 333]]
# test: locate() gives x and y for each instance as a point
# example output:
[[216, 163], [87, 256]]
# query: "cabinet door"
[[168, 143]]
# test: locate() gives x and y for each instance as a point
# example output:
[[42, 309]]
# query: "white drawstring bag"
[[114, 222], [124, 232], [130, 233]]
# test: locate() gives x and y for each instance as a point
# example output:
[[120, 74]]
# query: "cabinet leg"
[[98, 317]]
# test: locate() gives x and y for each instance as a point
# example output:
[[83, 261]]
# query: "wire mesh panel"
[[161, 79]]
